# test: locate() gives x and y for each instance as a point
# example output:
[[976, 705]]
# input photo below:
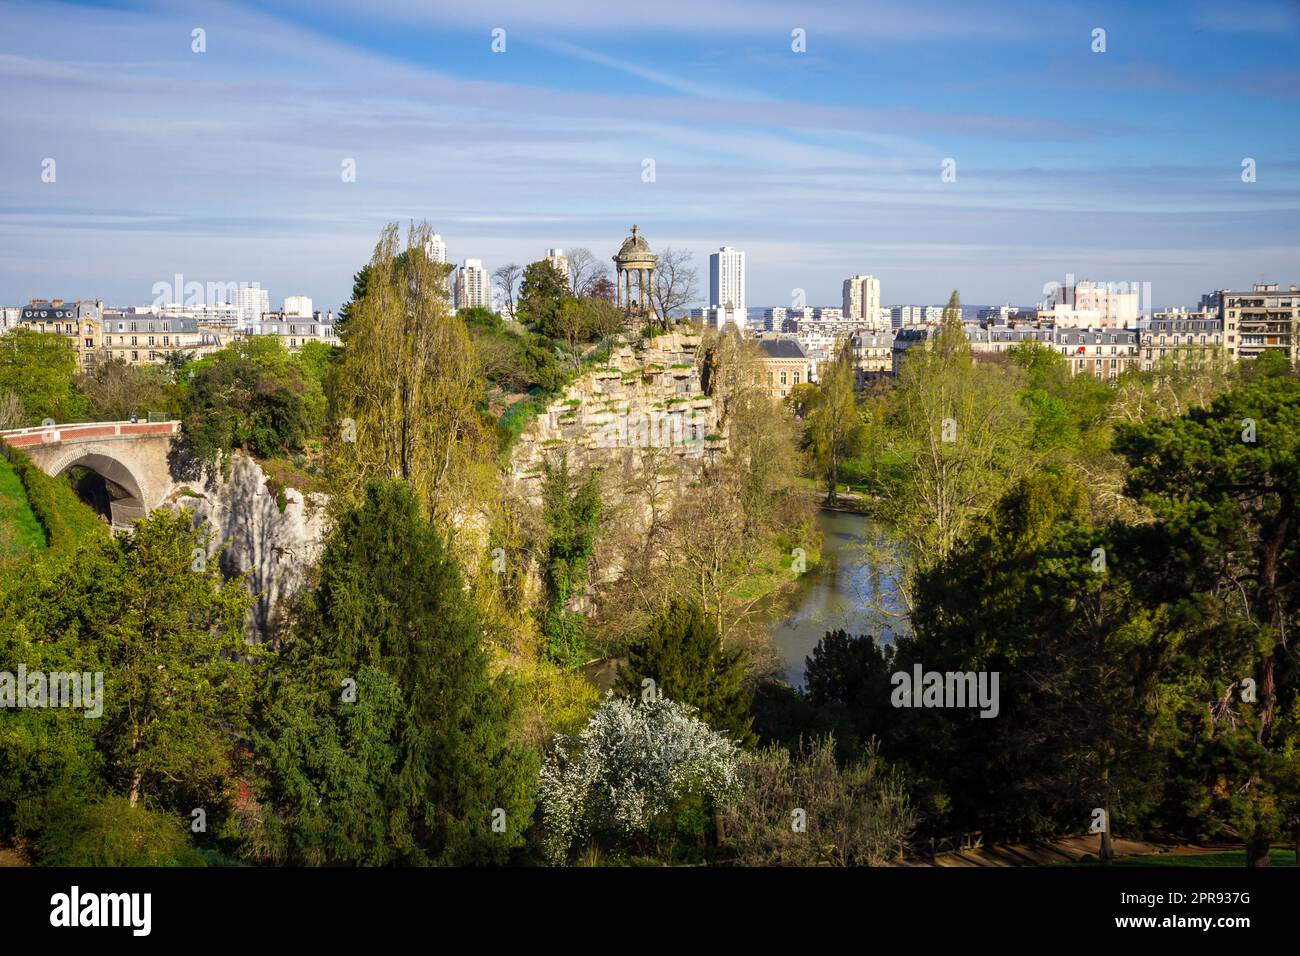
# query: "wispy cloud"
[[228, 163]]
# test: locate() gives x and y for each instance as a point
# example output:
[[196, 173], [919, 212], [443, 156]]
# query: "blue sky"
[[225, 166]]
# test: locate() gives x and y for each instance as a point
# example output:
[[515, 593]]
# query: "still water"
[[841, 592]]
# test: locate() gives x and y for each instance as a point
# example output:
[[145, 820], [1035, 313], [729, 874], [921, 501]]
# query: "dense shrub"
[[111, 832], [253, 395], [807, 810], [681, 652]]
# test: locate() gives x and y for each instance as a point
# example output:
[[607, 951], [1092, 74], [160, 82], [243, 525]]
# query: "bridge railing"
[[85, 431]]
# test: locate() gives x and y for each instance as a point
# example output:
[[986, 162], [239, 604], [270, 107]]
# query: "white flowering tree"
[[633, 763]]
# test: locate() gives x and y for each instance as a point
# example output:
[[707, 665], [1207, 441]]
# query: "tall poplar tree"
[[952, 438], [409, 385], [835, 426]]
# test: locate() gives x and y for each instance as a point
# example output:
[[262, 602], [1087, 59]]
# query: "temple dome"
[[635, 252], [634, 269]]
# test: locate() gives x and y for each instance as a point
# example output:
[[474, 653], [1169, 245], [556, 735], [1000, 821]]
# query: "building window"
[[783, 377]]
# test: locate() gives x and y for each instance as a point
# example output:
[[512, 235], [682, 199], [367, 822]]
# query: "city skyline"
[[1122, 166]]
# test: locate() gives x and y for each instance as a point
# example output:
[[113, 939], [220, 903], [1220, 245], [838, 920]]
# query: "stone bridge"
[[131, 457]]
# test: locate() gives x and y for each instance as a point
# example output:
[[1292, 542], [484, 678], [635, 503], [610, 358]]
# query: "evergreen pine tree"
[[681, 652], [387, 739]]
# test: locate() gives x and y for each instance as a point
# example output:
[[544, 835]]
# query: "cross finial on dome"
[[634, 229]]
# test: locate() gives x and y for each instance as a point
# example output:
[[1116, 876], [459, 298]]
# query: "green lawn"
[[62, 517], [1228, 858], [20, 531]]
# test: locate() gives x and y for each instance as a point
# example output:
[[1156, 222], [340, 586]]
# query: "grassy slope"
[[772, 572], [20, 531], [63, 518]]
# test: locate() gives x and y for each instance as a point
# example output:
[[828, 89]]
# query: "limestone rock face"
[[276, 548], [647, 400], [644, 424]]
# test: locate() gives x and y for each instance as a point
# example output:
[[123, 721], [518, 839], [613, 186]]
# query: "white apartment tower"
[[297, 306], [436, 249], [862, 299], [251, 303], [560, 262], [1116, 305], [727, 280], [473, 285]]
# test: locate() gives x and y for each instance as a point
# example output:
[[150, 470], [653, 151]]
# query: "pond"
[[841, 592]]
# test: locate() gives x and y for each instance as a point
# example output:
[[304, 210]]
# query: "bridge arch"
[[132, 458], [126, 499]]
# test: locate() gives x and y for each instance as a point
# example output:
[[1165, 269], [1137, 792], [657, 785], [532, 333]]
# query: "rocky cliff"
[[642, 422], [648, 398], [274, 535]]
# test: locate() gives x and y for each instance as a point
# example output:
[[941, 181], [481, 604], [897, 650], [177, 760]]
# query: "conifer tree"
[[681, 652], [386, 739]]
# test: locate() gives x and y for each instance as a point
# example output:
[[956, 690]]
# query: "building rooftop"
[[782, 348], [148, 322]]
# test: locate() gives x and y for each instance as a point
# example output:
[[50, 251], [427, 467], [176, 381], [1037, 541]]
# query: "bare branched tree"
[[587, 272], [506, 278], [676, 283]]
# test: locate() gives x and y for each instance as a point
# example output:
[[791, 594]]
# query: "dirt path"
[[1068, 849], [11, 857]]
